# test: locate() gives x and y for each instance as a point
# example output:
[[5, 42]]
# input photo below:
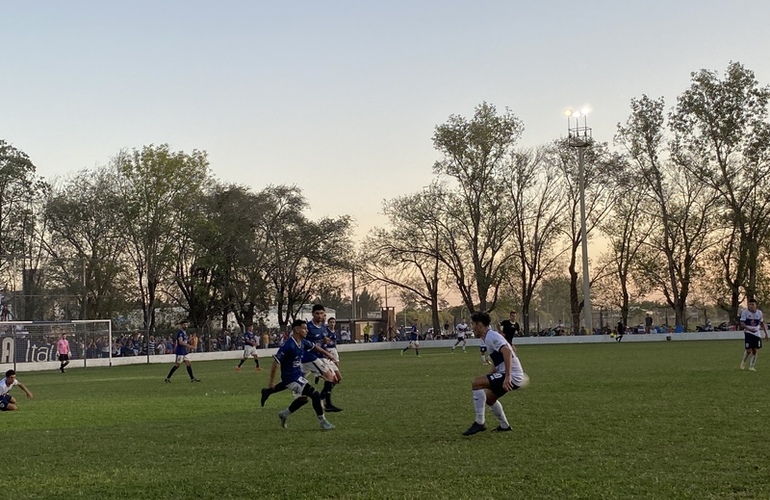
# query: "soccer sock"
[[327, 389], [745, 355], [297, 404], [189, 372], [241, 363], [319, 410], [65, 364], [497, 411], [479, 401], [256, 361], [173, 369], [483, 361], [753, 361], [417, 352]]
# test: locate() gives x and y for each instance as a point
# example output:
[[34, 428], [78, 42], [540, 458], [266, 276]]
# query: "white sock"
[[479, 402], [497, 411], [753, 361], [745, 355], [483, 360]]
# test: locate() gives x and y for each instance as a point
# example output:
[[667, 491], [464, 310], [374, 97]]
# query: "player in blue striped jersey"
[[180, 350], [312, 365], [289, 360]]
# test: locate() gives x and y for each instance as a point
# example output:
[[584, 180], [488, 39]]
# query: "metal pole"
[[586, 280]]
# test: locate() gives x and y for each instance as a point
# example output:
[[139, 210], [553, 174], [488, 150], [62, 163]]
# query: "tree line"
[[678, 203]]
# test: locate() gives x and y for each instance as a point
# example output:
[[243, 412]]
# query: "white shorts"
[[461, 337], [297, 386], [414, 343], [249, 351], [318, 367], [334, 353], [180, 358]]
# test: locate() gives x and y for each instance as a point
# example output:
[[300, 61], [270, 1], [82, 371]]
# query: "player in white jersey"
[[507, 375], [8, 402], [751, 321], [462, 331]]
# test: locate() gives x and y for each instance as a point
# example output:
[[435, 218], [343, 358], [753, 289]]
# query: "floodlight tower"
[[580, 138]]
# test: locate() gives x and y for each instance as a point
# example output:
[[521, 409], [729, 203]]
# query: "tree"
[[537, 203], [410, 255], [160, 189], [477, 224], [682, 207], [722, 136], [85, 247]]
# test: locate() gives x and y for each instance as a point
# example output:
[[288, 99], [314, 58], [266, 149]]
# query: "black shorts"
[[752, 341], [496, 384], [5, 400], [483, 348], [64, 357]]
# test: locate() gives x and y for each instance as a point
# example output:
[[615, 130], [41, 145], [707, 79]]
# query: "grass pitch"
[[635, 420]]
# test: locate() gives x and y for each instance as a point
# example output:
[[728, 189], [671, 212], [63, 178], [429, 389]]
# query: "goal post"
[[31, 345]]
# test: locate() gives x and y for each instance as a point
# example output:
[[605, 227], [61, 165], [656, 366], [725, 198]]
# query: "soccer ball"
[[524, 381]]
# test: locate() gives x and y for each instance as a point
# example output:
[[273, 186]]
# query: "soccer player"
[[321, 367], [180, 349], [331, 345], [8, 402], [462, 331], [414, 341], [250, 348], [289, 358], [506, 375], [511, 327], [751, 321], [63, 348]]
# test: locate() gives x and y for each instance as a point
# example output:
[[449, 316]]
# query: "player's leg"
[[479, 388], [753, 361], [256, 362], [315, 397], [177, 364], [243, 360], [464, 343], [190, 371], [267, 391]]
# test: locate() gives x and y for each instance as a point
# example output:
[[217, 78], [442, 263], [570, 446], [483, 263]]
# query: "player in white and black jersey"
[[507, 375], [751, 321], [462, 331]]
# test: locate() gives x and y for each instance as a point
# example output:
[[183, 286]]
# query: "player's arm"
[[764, 328], [26, 391], [508, 357], [320, 350]]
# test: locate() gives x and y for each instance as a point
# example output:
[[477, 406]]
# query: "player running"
[[249, 348], [414, 341], [462, 331], [751, 321]]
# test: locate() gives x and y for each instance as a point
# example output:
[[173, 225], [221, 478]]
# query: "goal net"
[[31, 345]]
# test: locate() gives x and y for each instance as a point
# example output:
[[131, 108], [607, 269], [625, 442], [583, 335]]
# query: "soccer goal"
[[31, 345]]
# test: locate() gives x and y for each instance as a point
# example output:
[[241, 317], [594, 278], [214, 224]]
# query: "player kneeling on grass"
[[8, 402], [289, 358], [507, 375]]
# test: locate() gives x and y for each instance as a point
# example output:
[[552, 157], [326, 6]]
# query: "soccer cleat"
[[333, 409], [402, 353], [475, 428], [752, 369], [743, 365], [257, 369], [500, 428], [265, 395], [168, 380], [195, 380], [326, 425], [237, 368], [284, 417]]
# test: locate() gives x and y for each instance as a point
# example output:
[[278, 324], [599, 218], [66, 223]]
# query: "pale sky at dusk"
[[341, 97]]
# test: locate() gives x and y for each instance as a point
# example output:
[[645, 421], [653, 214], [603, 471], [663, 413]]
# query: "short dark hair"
[[297, 322], [752, 300], [10, 372], [183, 321], [481, 317], [512, 312], [330, 319], [318, 307]]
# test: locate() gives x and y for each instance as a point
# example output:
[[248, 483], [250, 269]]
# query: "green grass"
[[636, 420]]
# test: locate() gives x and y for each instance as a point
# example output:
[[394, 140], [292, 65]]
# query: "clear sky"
[[341, 97]]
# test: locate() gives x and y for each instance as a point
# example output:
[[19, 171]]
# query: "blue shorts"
[[5, 400]]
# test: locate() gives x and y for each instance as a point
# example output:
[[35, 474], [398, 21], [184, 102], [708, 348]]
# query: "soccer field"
[[636, 420]]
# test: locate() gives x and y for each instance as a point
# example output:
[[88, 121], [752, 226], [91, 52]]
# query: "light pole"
[[580, 138]]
